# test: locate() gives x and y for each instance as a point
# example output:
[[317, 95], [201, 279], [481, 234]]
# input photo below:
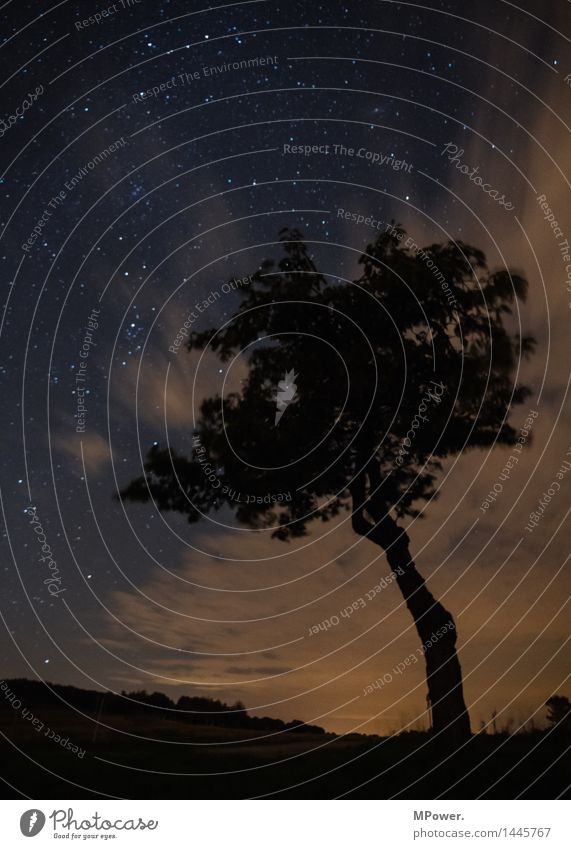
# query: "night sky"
[[123, 210]]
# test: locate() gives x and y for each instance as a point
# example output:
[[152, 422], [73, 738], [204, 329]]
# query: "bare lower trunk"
[[437, 631], [435, 627]]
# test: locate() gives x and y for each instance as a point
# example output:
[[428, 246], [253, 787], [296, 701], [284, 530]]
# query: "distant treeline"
[[196, 710]]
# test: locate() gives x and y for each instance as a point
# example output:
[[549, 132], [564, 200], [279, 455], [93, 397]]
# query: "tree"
[[376, 381], [141, 697], [559, 713]]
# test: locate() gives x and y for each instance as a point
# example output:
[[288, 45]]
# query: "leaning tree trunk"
[[434, 624]]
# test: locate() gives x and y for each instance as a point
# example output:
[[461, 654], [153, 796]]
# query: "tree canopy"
[[410, 363]]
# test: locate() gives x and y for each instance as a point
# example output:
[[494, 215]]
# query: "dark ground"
[[208, 762]]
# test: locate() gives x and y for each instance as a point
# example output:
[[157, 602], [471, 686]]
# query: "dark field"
[[193, 762]]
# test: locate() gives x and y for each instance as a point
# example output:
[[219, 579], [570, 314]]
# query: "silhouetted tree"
[[407, 365], [559, 713]]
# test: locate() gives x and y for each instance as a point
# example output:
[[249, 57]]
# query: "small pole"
[[98, 717]]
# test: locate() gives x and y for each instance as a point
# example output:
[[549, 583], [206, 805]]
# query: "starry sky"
[[145, 173]]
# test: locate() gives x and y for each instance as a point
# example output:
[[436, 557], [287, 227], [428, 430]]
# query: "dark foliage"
[[196, 710], [365, 353]]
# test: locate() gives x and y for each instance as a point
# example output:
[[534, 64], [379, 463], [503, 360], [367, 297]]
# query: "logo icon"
[[32, 822], [286, 394]]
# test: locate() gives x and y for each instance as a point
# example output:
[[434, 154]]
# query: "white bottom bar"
[[287, 824]]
